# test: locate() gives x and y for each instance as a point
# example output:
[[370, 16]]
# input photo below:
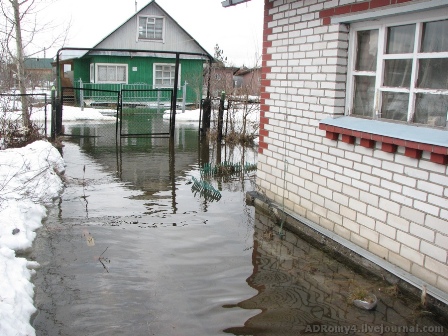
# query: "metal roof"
[[38, 63]]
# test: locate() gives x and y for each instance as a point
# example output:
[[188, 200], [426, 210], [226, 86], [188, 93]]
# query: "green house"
[[137, 59]]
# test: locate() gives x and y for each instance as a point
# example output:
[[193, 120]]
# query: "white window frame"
[[97, 65], [173, 65], [382, 24], [162, 40], [92, 72]]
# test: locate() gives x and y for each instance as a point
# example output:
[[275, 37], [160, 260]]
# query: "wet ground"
[[132, 249]]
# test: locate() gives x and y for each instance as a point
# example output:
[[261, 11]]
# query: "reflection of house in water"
[[152, 164], [303, 288], [146, 163]]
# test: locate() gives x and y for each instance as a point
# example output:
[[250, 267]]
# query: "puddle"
[[131, 249]]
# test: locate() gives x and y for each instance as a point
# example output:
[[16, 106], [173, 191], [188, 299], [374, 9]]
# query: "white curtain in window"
[[102, 73], [121, 73]]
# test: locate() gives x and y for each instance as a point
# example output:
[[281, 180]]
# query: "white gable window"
[[111, 73], [398, 69], [151, 28], [164, 75]]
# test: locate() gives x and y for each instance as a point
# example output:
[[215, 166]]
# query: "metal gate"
[[83, 118], [137, 112], [145, 112]]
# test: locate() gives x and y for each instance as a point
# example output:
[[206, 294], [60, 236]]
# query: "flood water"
[[131, 249]]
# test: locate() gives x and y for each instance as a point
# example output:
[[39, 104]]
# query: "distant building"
[[234, 80], [247, 81], [39, 72], [221, 79]]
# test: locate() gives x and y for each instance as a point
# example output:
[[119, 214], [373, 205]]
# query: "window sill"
[[415, 139]]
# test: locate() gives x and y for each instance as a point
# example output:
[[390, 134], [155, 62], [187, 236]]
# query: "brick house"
[[248, 81], [353, 134], [221, 79]]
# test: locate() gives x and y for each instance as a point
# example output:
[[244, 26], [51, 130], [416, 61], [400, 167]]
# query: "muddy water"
[[130, 249]]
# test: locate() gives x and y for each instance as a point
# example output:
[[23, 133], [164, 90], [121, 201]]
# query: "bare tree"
[[19, 28]]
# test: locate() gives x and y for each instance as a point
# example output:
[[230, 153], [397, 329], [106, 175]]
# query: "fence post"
[[221, 116], [81, 94], [206, 112], [184, 96], [53, 113]]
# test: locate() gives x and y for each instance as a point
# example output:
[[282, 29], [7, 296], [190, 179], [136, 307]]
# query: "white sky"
[[237, 29]]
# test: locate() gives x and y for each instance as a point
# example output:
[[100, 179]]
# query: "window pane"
[[111, 74], [102, 73], [141, 27], [164, 75], [367, 50], [397, 73], [400, 39], [435, 36], [92, 73], [150, 28], [364, 101], [121, 73], [395, 106], [431, 109], [158, 29], [433, 73]]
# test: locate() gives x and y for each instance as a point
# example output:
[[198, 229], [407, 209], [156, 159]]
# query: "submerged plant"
[[360, 294]]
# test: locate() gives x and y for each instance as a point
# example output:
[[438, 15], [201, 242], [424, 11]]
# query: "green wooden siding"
[[191, 72]]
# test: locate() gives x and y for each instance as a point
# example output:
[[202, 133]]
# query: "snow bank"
[[71, 113], [29, 179]]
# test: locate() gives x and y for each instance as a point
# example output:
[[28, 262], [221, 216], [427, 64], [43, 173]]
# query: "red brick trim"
[[332, 135], [348, 139], [439, 154], [413, 153], [326, 14], [367, 143], [439, 158], [265, 70], [388, 147]]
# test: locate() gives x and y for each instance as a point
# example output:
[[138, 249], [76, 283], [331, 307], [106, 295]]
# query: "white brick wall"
[[389, 204]]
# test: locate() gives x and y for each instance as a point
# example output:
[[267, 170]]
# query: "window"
[[92, 73], [164, 75], [398, 71], [150, 28], [111, 73]]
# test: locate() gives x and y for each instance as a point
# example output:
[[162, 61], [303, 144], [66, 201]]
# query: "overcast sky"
[[237, 30]]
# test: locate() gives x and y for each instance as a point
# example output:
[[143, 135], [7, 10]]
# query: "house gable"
[[175, 38]]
